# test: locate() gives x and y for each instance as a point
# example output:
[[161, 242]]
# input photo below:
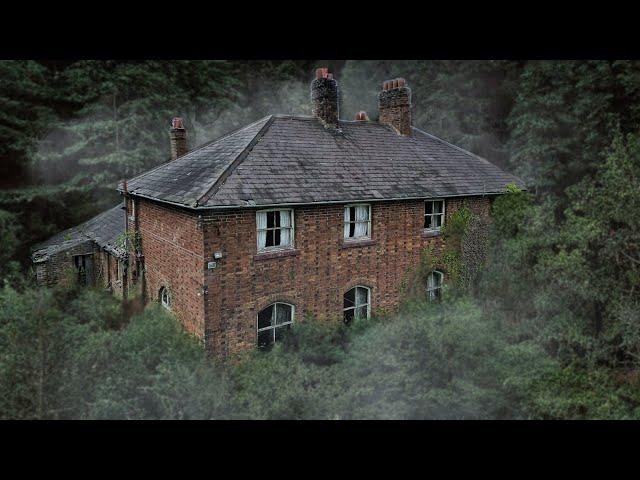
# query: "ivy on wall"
[[465, 240]]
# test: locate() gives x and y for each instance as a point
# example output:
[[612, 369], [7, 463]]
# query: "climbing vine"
[[462, 255], [131, 238]]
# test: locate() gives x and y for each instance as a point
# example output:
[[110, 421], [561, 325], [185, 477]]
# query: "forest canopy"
[[547, 326]]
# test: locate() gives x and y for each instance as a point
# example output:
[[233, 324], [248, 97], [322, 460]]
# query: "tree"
[[25, 111], [564, 117]]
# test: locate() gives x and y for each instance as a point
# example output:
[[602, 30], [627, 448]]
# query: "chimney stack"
[[177, 138], [394, 105], [324, 98]]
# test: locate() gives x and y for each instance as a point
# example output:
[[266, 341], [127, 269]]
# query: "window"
[[165, 298], [118, 270], [273, 321], [356, 303], [433, 214], [84, 269], [434, 285], [275, 229], [357, 221]]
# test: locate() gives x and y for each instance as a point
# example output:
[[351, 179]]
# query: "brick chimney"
[[177, 138], [324, 98], [394, 104]]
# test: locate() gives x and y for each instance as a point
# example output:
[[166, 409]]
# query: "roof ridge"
[[199, 147], [230, 168], [467, 152]]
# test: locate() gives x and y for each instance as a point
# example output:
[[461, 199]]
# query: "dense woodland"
[[547, 325]]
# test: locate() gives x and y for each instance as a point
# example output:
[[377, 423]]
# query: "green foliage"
[[552, 330], [453, 233], [9, 230]]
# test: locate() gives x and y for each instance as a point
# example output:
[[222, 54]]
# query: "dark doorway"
[[84, 269]]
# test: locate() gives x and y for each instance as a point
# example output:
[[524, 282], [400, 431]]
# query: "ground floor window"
[[84, 269], [356, 303], [273, 321], [434, 285], [165, 298]]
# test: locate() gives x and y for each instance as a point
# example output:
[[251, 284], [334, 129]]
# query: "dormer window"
[[357, 221], [275, 229], [433, 214]]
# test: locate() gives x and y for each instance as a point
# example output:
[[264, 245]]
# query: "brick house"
[[92, 253], [296, 216]]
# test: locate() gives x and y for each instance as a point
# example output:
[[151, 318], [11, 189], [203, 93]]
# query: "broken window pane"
[[434, 214], [361, 296], [282, 331], [265, 317], [273, 321], [265, 338], [283, 313], [348, 315], [350, 298]]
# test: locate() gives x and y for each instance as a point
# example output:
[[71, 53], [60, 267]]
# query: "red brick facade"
[[171, 241], [221, 304]]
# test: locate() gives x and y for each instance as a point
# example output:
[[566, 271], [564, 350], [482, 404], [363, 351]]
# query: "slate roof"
[[104, 229], [284, 159]]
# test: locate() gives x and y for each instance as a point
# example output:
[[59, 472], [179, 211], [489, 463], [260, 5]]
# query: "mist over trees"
[[546, 326]]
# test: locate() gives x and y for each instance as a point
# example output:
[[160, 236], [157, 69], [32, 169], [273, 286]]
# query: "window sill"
[[268, 255], [430, 233], [358, 243]]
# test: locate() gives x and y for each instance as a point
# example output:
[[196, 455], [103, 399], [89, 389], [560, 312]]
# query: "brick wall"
[[106, 266], [317, 273], [172, 244], [60, 267]]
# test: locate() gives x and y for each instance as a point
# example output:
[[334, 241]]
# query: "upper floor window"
[[433, 214], [273, 321], [356, 303], [357, 221], [275, 228], [165, 298], [434, 285]]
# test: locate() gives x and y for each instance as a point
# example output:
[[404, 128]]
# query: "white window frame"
[[444, 206], [273, 327], [368, 304], [348, 207], [431, 291], [165, 303], [292, 228]]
